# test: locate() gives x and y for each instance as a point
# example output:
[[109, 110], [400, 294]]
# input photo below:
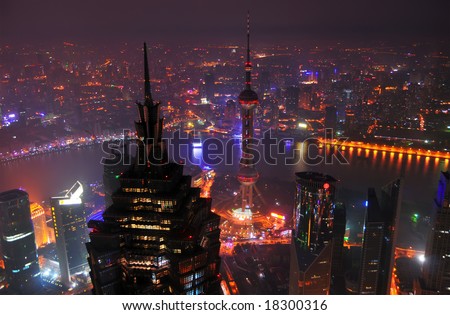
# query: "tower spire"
[[148, 91], [248, 99], [248, 36], [248, 64]]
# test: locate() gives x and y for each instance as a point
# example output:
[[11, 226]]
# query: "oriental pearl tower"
[[248, 99]]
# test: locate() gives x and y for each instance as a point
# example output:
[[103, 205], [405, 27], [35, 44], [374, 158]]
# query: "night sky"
[[216, 21]]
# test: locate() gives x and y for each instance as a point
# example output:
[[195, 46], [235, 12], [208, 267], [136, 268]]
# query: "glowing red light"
[[326, 185]]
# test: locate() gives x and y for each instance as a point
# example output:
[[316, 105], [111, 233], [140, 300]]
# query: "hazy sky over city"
[[201, 20]]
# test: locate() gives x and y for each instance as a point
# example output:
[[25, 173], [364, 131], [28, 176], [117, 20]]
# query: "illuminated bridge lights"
[[277, 216], [393, 149]]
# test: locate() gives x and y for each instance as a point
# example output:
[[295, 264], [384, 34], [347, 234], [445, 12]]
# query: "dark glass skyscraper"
[[379, 239], [71, 233], [209, 86], [436, 268], [330, 120], [158, 236], [114, 167], [18, 245], [391, 198], [371, 247], [311, 248], [337, 263]]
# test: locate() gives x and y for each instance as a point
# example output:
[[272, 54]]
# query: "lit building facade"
[[311, 247], [20, 257], [71, 233], [40, 224], [313, 213], [436, 268], [159, 236]]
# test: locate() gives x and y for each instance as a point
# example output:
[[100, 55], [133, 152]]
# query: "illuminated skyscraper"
[[40, 224], [248, 99], [71, 233], [264, 81], [230, 112], [436, 268], [311, 248], [17, 240], [158, 236]]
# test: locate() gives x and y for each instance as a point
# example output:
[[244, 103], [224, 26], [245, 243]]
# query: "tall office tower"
[[117, 163], [292, 98], [311, 247], [330, 121], [331, 117], [337, 262], [391, 198], [248, 99], [379, 238], [350, 122], [371, 247], [17, 241], [436, 268], [158, 236], [209, 86], [22, 115], [71, 233], [40, 224]]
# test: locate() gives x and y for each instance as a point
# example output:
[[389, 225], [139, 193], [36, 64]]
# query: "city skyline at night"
[[311, 160]]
